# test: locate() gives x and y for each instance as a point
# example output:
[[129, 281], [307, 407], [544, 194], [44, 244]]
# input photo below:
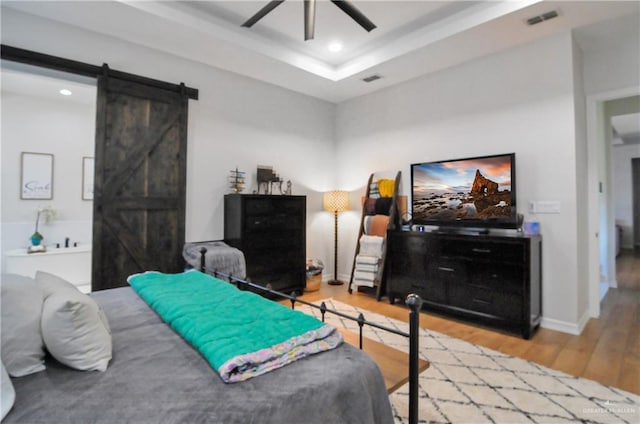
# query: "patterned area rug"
[[466, 383]]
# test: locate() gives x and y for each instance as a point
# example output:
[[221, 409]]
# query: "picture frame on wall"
[[87, 178], [36, 179]]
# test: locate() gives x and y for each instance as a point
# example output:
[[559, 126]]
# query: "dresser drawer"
[[448, 269], [268, 206], [484, 250], [499, 276], [489, 302], [286, 240], [273, 222]]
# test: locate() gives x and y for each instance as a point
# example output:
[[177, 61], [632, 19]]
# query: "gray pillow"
[[75, 329], [21, 343], [7, 393]]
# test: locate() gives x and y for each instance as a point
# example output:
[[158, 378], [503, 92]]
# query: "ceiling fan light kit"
[[310, 15]]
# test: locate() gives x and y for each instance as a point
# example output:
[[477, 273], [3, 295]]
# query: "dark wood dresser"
[[271, 232], [490, 279]]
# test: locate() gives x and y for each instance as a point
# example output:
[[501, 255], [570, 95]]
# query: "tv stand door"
[[408, 269]]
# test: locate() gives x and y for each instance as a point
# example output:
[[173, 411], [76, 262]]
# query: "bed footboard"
[[413, 301]]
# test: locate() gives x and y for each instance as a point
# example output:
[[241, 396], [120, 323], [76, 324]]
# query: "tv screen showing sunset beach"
[[475, 188]]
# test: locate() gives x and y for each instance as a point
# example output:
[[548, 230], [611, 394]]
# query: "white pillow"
[[51, 284], [7, 393], [75, 329], [21, 344]]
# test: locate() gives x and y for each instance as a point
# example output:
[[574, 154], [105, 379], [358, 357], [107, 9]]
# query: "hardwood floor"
[[607, 351], [628, 269]]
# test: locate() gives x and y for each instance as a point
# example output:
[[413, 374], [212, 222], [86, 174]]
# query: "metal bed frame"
[[413, 301]]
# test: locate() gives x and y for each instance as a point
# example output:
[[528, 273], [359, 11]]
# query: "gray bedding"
[[219, 256], [155, 377]]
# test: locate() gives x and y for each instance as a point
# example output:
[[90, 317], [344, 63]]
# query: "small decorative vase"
[[36, 238]]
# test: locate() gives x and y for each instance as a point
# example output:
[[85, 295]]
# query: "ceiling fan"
[[310, 15]]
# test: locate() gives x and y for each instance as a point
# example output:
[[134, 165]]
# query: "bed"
[[154, 376]]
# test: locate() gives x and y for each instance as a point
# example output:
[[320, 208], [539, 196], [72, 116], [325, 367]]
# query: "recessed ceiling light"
[[335, 47], [65, 92]]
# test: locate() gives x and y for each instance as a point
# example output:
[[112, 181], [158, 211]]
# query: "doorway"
[[38, 118], [624, 116], [140, 130], [602, 222]]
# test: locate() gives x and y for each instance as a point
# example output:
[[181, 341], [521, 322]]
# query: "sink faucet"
[[66, 242]]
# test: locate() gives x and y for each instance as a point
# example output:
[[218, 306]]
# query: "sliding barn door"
[[140, 181]]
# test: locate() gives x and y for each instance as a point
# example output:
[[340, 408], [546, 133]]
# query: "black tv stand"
[[493, 279]]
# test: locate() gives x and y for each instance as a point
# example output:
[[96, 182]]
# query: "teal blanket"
[[241, 334]]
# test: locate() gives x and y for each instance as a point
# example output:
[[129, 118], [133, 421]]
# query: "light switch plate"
[[544, 206]]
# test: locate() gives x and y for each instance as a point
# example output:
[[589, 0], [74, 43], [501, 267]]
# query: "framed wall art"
[[36, 181], [87, 178]]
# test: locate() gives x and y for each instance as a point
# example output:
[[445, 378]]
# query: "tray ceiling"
[[412, 38]]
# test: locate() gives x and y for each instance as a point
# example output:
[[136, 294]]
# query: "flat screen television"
[[477, 192]]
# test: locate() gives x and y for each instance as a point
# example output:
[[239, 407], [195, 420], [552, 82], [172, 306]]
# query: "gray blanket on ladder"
[[219, 257]]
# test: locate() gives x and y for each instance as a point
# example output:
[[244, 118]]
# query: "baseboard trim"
[[583, 321], [604, 288], [564, 326]]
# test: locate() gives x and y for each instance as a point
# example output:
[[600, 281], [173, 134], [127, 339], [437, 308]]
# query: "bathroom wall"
[[36, 118]]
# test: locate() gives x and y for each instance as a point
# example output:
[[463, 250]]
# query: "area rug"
[[466, 383]]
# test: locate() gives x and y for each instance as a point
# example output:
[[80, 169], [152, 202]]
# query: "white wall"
[[582, 188], [236, 122], [609, 64], [65, 129], [522, 101]]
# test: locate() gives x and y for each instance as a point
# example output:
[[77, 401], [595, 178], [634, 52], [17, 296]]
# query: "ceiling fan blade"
[[309, 19], [348, 8], [262, 12]]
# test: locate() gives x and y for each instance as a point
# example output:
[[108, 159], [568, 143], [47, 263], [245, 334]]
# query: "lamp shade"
[[336, 201]]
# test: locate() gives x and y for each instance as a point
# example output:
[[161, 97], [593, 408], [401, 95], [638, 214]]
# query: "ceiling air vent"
[[371, 78], [544, 17]]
